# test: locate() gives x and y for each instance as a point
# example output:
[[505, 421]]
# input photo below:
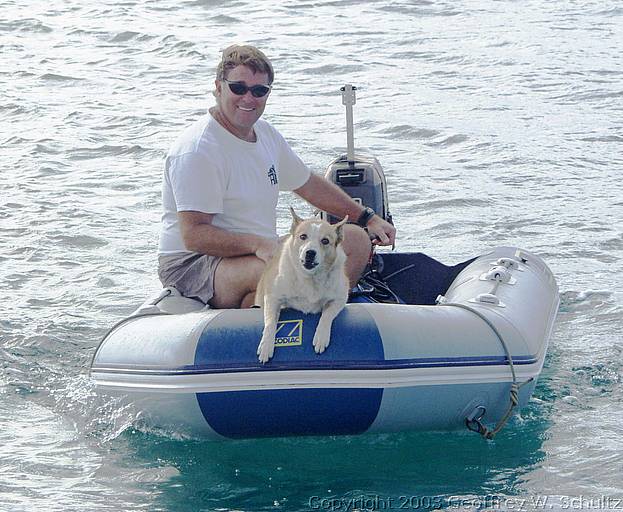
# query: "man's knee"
[[358, 247], [356, 240], [255, 270]]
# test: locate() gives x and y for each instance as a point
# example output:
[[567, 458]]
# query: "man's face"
[[241, 112]]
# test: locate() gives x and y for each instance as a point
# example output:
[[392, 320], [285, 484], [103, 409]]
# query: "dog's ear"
[[296, 220], [339, 231]]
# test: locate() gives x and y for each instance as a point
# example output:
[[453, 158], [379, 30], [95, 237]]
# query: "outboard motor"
[[359, 175]]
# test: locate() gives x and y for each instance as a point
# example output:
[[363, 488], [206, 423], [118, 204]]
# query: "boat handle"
[[473, 420]]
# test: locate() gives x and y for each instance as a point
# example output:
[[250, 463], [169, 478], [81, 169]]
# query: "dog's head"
[[315, 242]]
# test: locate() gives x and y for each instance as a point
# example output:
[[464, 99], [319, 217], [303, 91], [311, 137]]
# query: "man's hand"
[[381, 232], [328, 197], [265, 248]]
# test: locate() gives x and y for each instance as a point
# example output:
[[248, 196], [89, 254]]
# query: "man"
[[220, 190]]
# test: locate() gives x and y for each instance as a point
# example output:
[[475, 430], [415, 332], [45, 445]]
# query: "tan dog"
[[306, 273]]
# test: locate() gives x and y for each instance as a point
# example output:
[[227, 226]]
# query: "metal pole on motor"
[[349, 99]]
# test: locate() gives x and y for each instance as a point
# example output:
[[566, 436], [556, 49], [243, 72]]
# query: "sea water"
[[497, 123]]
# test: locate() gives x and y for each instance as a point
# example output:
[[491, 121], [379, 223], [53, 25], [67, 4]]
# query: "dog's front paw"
[[321, 341], [265, 350]]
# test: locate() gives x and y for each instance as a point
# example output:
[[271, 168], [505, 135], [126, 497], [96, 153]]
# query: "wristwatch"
[[365, 216]]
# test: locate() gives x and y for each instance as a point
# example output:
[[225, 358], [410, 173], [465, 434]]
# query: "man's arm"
[[201, 236], [330, 198]]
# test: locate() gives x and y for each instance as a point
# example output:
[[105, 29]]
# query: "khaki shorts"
[[192, 274]]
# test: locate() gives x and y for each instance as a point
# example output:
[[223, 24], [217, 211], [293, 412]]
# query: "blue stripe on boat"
[[228, 342], [390, 364], [289, 411]]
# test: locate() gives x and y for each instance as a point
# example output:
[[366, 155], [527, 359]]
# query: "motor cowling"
[[362, 179]]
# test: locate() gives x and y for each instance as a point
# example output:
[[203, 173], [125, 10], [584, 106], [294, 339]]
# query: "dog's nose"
[[310, 255]]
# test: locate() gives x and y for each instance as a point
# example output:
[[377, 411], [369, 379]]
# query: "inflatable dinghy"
[[464, 349], [423, 346]]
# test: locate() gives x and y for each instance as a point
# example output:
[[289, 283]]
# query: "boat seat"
[[171, 302]]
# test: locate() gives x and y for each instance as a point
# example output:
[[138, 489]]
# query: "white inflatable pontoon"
[[465, 349]]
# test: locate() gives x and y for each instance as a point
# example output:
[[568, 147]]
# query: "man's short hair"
[[245, 55]]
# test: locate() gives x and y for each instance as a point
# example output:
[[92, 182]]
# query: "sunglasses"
[[240, 89]]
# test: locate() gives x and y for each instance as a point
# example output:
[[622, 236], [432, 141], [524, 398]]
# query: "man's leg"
[[235, 281], [357, 247]]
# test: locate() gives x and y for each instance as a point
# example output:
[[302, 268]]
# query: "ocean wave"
[[106, 150], [449, 141], [458, 202], [332, 69], [25, 25], [420, 8], [605, 376], [408, 132], [612, 244], [224, 19], [574, 301], [78, 241], [55, 77], [128, 35], [603, 138]]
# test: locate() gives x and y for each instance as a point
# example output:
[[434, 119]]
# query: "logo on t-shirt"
[[272, 175]]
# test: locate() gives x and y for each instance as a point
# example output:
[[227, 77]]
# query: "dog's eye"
[[325, 241], [303, 236]]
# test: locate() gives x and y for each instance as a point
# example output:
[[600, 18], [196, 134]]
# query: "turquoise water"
[[497, 123]]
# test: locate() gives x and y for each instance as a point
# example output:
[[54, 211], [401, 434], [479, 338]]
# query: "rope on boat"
[[474, 424]]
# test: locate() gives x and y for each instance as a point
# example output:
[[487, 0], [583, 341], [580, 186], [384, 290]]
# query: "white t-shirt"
[[210, 170]]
